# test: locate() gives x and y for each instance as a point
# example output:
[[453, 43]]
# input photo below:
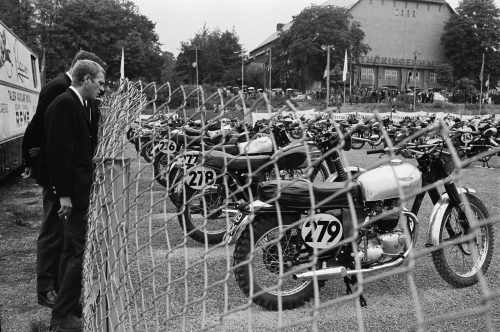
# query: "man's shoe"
[[66, 324], [47, 299]]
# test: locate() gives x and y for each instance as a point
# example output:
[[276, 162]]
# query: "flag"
[[487, 84], [325, 75], [194, 64], [344, 71], [122, 66], [43, 70]]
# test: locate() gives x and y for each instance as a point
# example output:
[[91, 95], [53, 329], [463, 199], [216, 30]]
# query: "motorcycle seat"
[[193, 132], [182, 138], [296, 193], [220, 159]]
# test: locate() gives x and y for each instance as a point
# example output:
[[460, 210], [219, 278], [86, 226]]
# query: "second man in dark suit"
[[70, 150]]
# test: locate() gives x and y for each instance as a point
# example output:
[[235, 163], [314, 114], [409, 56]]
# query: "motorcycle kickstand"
[[353, 280]]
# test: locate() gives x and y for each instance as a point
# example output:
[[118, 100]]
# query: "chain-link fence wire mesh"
[[202, 219]]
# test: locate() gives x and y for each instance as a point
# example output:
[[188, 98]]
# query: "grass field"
[[184, 285]]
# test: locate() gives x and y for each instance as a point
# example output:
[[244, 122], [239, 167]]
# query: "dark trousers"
[[70, 289], [49, 245]]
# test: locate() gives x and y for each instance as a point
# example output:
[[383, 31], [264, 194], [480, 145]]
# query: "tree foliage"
[[445, 75], [62, 27], [216, 54], [466, 36], [301, 49]]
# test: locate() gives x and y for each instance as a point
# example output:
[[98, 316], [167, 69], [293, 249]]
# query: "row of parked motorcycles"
[[470, 137], [297, 217]]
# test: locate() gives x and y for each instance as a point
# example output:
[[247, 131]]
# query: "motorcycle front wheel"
[[459, 264], [357, 140], [206, 214], [160, 167], [267, 265]]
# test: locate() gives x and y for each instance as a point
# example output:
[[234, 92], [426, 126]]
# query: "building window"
[[366, 72], [391, 75], [407, 12], [396, 12], [432, 77], [414, 13], [413, 76]]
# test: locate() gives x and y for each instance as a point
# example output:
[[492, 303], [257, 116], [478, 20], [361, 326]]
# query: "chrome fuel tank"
[[384, 182]]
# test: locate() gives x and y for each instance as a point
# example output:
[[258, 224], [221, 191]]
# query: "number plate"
[[165, 146], [466, 138], [187, 158], [321, 231], [200, 176]]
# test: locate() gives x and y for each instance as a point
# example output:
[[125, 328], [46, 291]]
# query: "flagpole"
[[481, 88]]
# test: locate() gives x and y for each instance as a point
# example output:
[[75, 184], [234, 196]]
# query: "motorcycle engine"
[[377, 248], [382, 240]]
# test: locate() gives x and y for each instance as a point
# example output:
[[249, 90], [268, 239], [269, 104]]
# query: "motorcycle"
[[297, 234], [206, 186], [362, 133]]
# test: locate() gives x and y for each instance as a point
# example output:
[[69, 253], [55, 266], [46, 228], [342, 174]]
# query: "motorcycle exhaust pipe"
[[361, 139], [340, 272]]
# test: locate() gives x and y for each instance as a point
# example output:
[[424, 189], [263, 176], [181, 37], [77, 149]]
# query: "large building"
[[405, 41]]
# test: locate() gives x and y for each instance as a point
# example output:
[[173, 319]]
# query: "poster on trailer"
[[19, 85]]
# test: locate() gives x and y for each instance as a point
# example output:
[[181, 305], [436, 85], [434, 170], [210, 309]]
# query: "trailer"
[[19, 89]]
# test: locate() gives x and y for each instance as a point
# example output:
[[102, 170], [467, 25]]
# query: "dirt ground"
[[20, 216]]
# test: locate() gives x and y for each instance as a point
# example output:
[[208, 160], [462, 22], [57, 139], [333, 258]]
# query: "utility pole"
[[270, 88], [481, 89]]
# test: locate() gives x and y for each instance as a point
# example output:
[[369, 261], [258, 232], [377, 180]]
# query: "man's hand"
[[28, 171], [34, 152], [66, 207]]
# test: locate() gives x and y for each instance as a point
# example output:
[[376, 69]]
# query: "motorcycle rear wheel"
[[356, 142], [270, 286], [459, 264]]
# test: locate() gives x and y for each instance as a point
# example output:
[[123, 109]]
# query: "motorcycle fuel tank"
[[384, 182]]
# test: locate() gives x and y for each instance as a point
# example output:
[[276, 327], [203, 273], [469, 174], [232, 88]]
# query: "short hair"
[[85, 67], [85, 55]]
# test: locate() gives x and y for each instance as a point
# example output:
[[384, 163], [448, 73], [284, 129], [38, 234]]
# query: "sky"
[[252, 20]]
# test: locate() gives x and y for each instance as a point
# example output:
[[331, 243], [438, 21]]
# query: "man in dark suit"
[[49, 243], [70, 149]]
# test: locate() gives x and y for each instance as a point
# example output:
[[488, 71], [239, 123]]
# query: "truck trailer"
[[19, 90]]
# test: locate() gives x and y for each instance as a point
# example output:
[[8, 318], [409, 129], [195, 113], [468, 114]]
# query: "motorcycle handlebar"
[[376, 151]]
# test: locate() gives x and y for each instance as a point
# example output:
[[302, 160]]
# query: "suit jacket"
[[35, 134], [70, 148]]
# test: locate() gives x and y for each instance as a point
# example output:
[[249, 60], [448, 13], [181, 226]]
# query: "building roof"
[[339, 3]]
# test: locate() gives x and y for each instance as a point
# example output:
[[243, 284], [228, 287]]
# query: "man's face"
[[94, 86]]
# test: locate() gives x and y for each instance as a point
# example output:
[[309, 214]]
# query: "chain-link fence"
[[207, 215]]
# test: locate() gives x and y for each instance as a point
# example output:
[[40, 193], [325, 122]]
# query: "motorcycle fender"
[[351, 169], [437, 216]]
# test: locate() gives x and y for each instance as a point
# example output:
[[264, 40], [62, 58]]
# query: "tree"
[[445, 75], [465, 90], [470, 34], [216, 55], [314, 27]]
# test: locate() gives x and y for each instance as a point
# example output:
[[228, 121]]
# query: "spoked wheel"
[[356, 140], [205, 214], [459, 264], [376, 138], [274, 257], [160, 168]]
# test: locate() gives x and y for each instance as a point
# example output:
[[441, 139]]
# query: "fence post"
[[113, 204]]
